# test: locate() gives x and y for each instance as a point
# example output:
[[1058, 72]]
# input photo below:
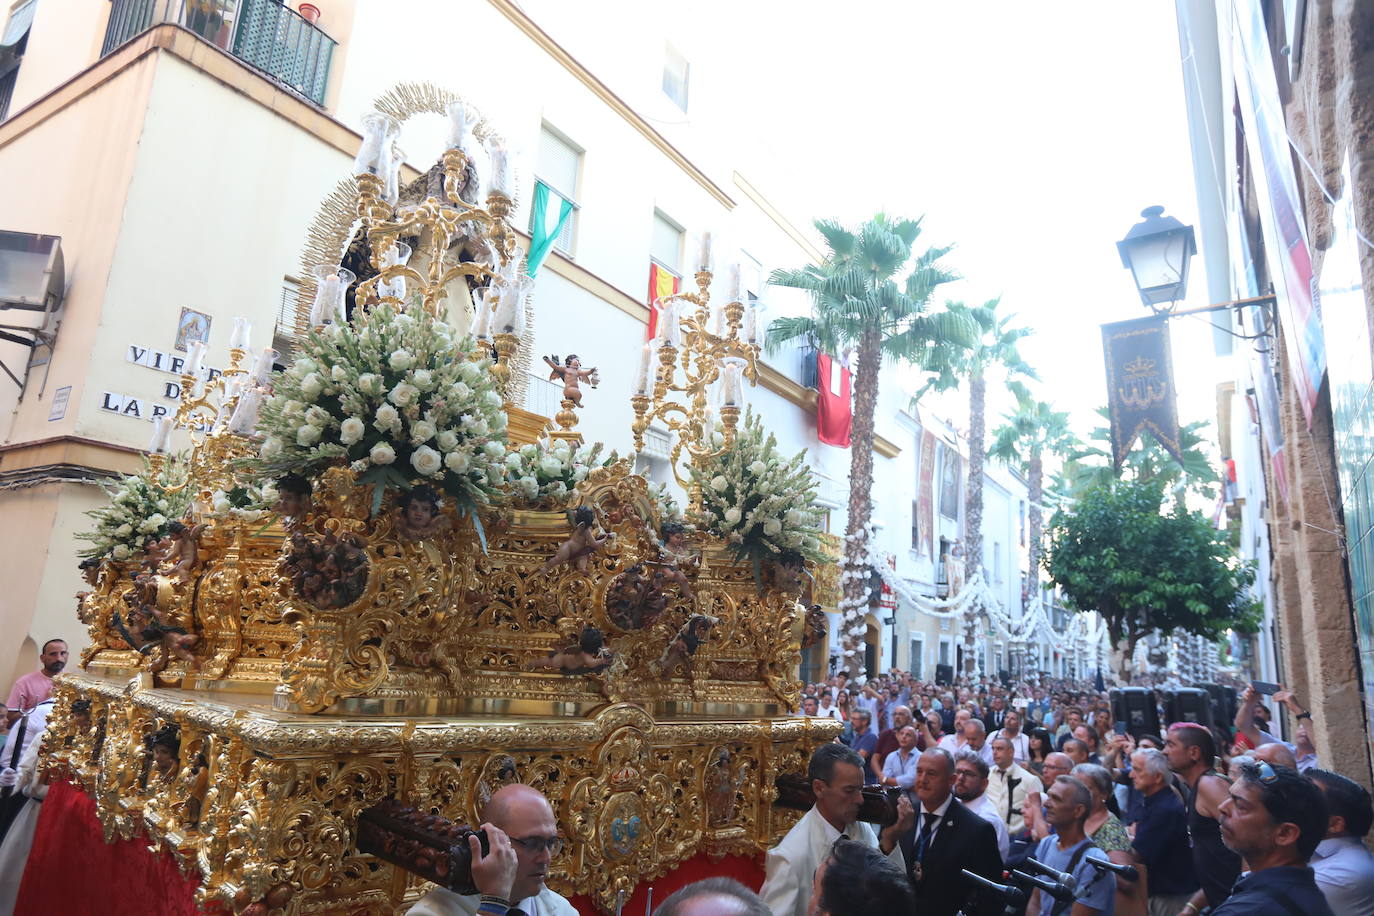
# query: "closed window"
[[676, 72], [665, 244], [559, 167]]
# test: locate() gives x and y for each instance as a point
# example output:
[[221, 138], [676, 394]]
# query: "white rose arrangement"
[[757, 500], [138, 513], [544, 475], [396, 396], [246, 501]]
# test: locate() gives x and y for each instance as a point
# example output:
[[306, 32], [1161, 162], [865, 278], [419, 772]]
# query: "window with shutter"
[[665, 246], [559, 166], [676, 72], [285, 332]]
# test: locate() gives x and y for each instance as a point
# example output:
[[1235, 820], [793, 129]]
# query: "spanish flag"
[[662, 282]]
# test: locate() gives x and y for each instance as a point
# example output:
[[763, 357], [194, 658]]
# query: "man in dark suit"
[[995, 717], [948, 837]]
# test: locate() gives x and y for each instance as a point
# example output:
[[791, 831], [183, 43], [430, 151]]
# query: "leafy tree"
[[1027, 435], [1148, 462], [1118, 552], [860, 300]]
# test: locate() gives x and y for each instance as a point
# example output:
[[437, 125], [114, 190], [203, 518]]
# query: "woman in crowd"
[[1041, 745], [1108, 833]]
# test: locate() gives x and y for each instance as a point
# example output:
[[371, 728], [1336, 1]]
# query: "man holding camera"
[[522, 839], [837, 779]]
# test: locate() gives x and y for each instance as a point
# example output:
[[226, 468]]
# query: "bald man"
[[523, 839], [1276, 753]]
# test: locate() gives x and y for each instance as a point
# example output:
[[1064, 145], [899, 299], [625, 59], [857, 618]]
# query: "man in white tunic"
[[836, 774]]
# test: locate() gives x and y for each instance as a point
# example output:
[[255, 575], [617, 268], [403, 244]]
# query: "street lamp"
[[1157, 250]]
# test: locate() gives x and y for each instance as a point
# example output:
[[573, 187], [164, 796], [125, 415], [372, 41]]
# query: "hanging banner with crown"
[[1140, 385]]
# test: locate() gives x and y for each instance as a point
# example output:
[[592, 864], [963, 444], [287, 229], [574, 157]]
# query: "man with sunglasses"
[[523, 838], [1274, 818]]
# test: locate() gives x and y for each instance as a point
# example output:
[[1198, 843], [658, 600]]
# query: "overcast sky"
[[1030, 136]]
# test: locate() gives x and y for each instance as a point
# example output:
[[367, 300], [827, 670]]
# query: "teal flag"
[[541, 237]]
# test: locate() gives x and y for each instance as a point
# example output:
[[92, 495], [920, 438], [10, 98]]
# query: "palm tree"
[[1148, 461], [996, 345], [859, 301], [1029, 433]]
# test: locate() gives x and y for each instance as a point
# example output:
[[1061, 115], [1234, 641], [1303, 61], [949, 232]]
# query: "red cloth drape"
[[747, 870], [834, 407], [72, 871]]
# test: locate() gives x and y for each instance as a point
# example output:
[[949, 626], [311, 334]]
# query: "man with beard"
[[1191, 750], [36, 686]]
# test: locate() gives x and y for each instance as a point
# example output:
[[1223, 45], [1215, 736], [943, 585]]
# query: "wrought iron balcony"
[[265, 34]]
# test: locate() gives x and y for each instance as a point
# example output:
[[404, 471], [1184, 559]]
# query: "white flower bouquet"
[[758, 501], [397, 397], [543, 475], [669, 509], [138, 513], [246, 501]]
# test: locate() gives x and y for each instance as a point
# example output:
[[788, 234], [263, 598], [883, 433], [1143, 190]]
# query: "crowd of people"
[[997, 777], [1037, 790]]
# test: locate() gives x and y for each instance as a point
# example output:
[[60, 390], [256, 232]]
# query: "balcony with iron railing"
[[265, 34]]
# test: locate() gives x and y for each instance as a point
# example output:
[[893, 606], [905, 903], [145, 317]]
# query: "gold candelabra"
[[205, 409], [704, 345], [436, 223]]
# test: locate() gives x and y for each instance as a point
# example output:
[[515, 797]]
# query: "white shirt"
[[440, 902], [1020, 744], [1345, 874], [829, 712], [951, 743], [984, 809], [790, 866], [922, 816], [997, 794]]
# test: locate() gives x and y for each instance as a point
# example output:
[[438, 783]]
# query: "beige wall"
[[65, 39]]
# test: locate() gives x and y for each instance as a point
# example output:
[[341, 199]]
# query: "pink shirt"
[[29, 691]]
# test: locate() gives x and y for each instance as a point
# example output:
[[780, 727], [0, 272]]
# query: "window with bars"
[[665, 245], [284, 335], [559, 166], [676, 73]]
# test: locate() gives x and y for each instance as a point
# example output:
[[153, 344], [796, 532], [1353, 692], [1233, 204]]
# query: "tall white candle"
[[158, 443], [262, 374], [461, 121], [672, 327], [731, 385], [481, 321], [704, 256], [242, 333], [736, 286], [718, 321], [646, 362], [378, 132], [197, 361], [500, 168], [751, 324]]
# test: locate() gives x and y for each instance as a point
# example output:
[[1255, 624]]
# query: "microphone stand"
[[1012, 896]]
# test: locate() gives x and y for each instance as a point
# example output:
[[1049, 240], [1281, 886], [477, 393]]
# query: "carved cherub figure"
[[164, 746], [183, 551], [152, 630], [721, 784], [571, 374], [682, 647], [294, 495], [675, 555], [589, 655], [579, 548], [417, 513], [814, 629]]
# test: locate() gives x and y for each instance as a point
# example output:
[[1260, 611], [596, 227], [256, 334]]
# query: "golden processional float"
[[389, 586]]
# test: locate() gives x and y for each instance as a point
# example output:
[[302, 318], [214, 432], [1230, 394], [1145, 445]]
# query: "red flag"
[[662, 283], [834, 412]]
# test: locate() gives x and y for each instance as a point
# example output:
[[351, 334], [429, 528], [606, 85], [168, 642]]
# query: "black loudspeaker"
[[1189, 704], [944, 675], [1224, 704], [1136, 707]]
